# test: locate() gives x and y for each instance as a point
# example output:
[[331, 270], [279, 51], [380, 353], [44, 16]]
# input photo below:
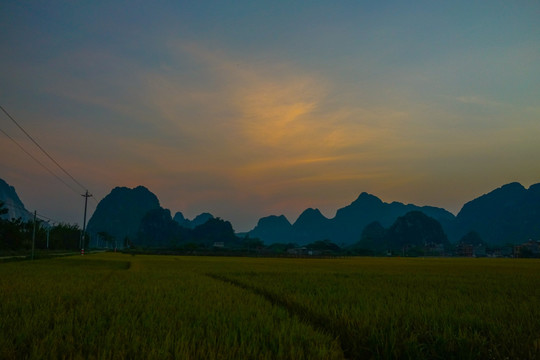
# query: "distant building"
[[529, 249], [469, 250], [299, 251], [505, 251], [466, 250], [219, 244]]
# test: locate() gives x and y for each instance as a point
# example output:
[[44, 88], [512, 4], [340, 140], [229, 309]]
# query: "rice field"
[[116, 306]]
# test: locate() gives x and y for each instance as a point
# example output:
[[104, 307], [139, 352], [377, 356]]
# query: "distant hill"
[[158, 230], [273, 229], [192, 224], [12, 202], [352, 219], [312, 226], [509, 214], [415, 229], [414, 233], [181, 220], [119, 214], [346, 227]]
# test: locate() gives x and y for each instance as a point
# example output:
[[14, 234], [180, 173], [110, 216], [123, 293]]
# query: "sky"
[[246, 109]]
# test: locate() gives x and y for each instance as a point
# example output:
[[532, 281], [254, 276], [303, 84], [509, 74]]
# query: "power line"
[[43, 150], [50, 158], [43, 217], [46, 218], [39, 162]]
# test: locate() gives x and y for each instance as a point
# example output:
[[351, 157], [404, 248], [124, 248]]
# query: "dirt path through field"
[[317, 321]]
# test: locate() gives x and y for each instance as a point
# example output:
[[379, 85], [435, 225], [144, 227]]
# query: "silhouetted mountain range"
[[510, 214], [507, 215], [135, 217], [347, 226]]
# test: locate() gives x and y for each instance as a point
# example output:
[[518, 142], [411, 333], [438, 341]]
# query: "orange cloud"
[[266, 126], [269, 130]]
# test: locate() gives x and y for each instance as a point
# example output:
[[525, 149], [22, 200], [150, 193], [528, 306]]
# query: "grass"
[[412, 308], [113, 306], [20, 255]]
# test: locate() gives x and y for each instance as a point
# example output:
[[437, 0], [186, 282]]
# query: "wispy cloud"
[[478, 100], [266, 126]]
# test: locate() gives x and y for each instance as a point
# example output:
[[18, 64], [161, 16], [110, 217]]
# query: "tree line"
[[16, 234]]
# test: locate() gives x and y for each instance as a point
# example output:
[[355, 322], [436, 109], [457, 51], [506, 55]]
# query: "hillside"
[[13, 203], [509, 214], [119, 214]]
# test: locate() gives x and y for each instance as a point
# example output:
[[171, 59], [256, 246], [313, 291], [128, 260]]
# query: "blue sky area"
[[249, 108]]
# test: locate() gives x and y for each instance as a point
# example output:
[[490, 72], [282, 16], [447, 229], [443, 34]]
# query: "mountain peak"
[[121, 211], [273, 229], [311, 214], [364, 203], [273, 220], [492, 214], [179, 217], [201, 219], [365, 197], [513, 186], [507, 192]]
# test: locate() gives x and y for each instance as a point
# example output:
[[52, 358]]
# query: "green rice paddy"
[[116, 306]]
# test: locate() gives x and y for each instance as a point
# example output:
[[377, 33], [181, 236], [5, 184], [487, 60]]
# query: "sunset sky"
[[247, 108]]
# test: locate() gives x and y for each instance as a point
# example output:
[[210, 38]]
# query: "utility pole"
[[34, 234], [48, 229], [86, 196]]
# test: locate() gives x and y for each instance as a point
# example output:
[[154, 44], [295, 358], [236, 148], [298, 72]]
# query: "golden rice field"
[[117, 306]]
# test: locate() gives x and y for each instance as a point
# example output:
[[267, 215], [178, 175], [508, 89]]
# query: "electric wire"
[[43, 165], [39, 162], [43, 150], [31, 214], [48, 219]]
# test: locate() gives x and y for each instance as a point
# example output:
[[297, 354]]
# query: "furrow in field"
[[318, 321]]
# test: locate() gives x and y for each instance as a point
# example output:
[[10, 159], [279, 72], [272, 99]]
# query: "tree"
[[280, 248], [64, 237], [250, 244], [15, 234], [323, 245], [105, 239]]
